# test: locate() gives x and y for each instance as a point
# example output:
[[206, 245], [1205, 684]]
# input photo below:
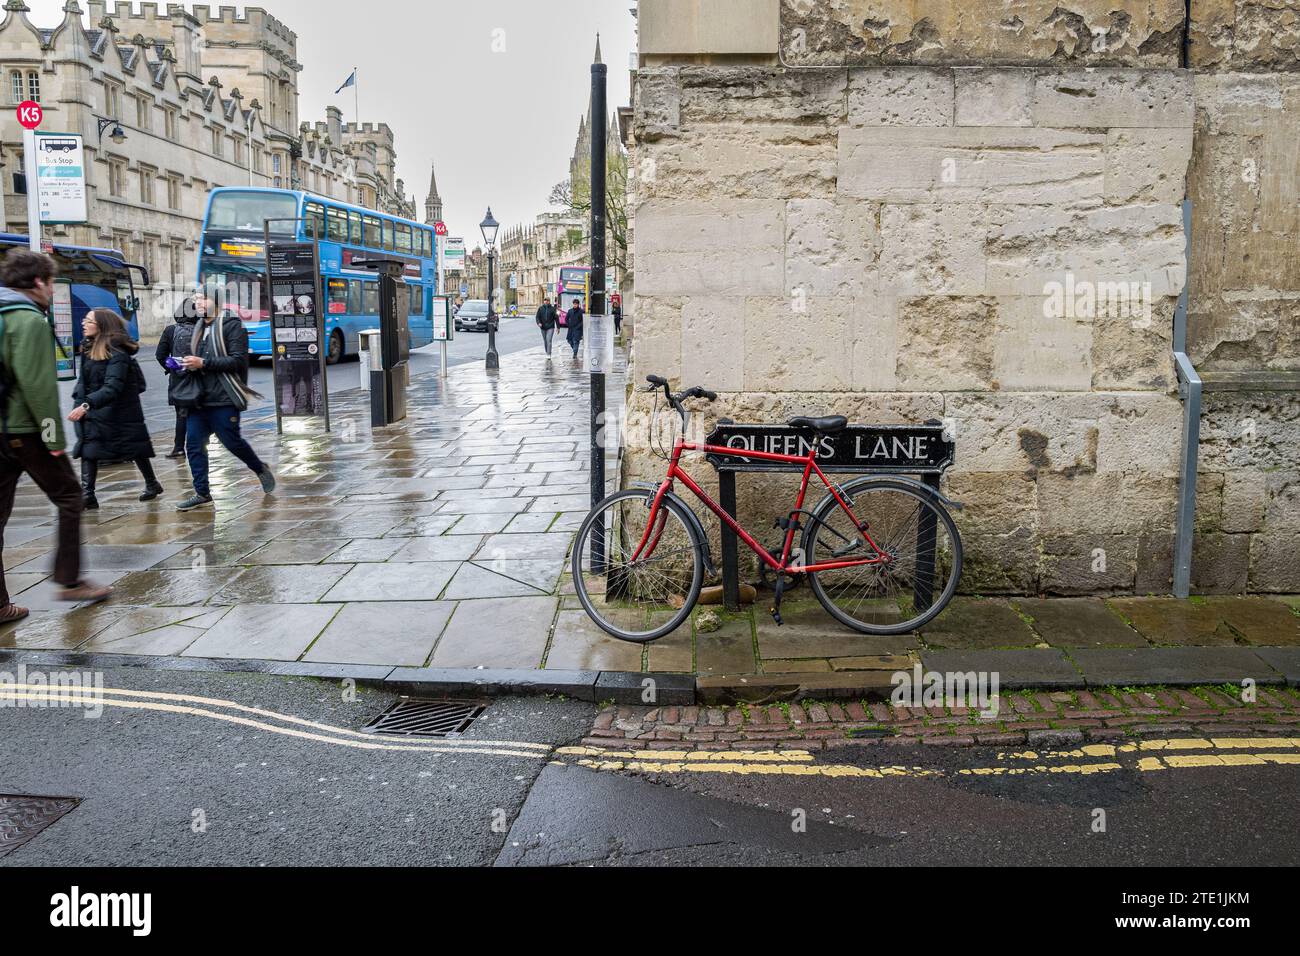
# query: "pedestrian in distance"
[[618, 318], [179, 333], [574, 321], [547, 320], [32, 441], [215, 390], [108, 416]]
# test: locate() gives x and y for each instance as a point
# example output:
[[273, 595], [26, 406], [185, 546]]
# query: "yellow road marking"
[[482, 747], [269, 714]]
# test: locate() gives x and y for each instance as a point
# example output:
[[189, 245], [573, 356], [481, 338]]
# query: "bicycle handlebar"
[[657, 382]]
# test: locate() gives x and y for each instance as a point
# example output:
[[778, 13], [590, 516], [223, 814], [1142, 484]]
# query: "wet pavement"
[[442, 541]]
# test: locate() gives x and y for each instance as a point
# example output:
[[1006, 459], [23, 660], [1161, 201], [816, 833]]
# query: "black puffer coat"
[[114, 428]]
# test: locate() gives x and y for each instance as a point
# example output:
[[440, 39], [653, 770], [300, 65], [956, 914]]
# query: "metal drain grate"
[[426, 718], [22, 818]]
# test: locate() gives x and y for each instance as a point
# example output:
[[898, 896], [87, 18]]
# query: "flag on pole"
[[350, 81]]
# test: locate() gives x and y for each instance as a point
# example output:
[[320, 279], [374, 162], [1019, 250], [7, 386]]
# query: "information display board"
[[298, 329], [61, 178], [64, 335], [444, 328]]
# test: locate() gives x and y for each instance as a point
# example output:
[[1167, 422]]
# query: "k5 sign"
[[30, 114]]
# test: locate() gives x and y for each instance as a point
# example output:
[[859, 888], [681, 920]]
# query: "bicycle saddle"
[[831, 425]]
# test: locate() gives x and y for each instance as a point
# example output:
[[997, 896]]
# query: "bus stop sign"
[[30, 114]]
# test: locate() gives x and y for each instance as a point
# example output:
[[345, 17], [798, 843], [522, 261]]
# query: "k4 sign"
[[61, 178], [858, 450]]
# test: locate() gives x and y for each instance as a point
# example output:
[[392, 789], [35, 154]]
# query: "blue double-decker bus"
[[232, 260]]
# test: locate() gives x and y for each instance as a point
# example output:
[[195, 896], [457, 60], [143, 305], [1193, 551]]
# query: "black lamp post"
[[118, 135], [490, 227]]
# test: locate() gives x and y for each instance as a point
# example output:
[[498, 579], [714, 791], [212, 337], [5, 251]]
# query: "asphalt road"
[[515, 335], [278, 792]]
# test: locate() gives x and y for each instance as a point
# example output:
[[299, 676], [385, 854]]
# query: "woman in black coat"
[[109, 418]]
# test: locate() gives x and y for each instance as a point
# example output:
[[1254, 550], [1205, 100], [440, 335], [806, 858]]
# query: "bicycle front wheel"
[[915, 560], [638, 574]]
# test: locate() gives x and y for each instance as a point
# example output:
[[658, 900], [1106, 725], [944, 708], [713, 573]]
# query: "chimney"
[[334, 125]]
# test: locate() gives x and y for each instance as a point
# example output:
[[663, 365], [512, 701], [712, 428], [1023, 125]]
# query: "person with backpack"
[[109, 417], [547, 320], [32, 423], [574, 321], [215, 390], [181, 330]]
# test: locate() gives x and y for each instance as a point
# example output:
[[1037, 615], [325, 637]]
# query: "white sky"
[[500, 125]]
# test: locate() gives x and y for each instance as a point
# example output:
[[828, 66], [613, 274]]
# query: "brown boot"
[[85, 592], [13, 613]]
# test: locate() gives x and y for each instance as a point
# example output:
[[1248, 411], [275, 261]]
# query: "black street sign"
[[858, 450]]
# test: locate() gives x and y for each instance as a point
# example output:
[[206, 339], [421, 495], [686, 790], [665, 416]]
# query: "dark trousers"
[[548, 336], [223, 422], [90, 474], [178, 445], [54, 476]]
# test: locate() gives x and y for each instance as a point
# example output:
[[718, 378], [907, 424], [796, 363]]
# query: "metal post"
[[596, 292], [1190, 385], [493, 358], [730, 543], [33, 190], [926, 546]]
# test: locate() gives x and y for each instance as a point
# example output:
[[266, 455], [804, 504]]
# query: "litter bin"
[[372, 358]]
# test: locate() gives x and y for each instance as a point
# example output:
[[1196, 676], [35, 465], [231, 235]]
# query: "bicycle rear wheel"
[[920, 540], [638, 586]]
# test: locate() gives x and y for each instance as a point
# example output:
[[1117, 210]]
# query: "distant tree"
[[574, 196]]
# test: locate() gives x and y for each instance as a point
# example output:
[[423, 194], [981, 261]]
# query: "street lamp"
[[490, 227], [118, 135]]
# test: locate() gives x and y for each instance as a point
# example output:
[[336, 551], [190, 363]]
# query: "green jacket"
[[27, 349]]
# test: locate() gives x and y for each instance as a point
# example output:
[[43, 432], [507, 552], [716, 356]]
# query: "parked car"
[[473, 316]]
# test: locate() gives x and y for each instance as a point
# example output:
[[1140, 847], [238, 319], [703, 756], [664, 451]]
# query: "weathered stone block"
[[981, 31], [1245, 498], [932, 250], [697, 27], [1088, 564], [1105, 503], [995, 502], [831, 247], [1135, 351], [1274, 563], [657, 110], [739, 94], [797, 351], [946, 343], [658, 349], [874, 324], [739, 162], [901, 97], [1244, 35], [972, 164], [1001, 563], [1106, 98], [991, 97], [1036, 349], [1147, 165], [734, 247], [712, 330]]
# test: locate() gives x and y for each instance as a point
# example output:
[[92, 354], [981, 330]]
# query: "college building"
[[172, 102], [974, 212]]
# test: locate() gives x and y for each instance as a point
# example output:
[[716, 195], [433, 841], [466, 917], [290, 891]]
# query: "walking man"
[[547, 319], [217, 393], [32, 440], [574, 320]]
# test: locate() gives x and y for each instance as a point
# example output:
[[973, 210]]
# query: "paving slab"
[[444, 548], [294, 551], [502, 633], [978, 624], [809, 632], [1016, 669], [412, 581], [279, 632], [578, 644], [473, 582], [397, 633], [1174, 666], [882, 662], [1079, 622], [1172, 622], [674, 654], [367, 551], [1284, 660], [728, 650], [130, 557], [773, 688], [64, 630], [1260, 621]]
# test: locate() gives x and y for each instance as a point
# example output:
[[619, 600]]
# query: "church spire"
[[433, 205]]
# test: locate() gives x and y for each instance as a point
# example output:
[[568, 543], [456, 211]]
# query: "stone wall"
[[972, 215]]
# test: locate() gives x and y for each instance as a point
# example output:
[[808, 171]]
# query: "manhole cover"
[[426, 718], [21, 818]]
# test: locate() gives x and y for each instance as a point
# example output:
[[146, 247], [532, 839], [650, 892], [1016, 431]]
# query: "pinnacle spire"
[[598, 59]]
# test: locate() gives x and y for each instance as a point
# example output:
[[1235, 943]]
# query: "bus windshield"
[[236, 287], [248, 212]]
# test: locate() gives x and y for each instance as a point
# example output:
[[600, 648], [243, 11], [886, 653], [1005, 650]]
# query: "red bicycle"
[[882, 555]]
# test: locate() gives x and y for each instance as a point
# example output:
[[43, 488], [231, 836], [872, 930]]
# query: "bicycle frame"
[[648, 544]]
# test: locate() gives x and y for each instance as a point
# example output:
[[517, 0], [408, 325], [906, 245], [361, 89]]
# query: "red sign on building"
[[30, 114]]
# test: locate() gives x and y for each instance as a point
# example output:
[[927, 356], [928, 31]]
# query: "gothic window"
[[34, 86]]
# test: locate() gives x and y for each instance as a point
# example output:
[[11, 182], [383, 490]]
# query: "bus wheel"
[[336, 348]]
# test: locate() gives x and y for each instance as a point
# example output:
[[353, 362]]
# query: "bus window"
[[417, 300], [338, 296], [354, 297], [388, 236], [426, 244], [314, 227], [248, 211], [354, 227], [371, 237], [370, 298], [404, 238], [337, 225]]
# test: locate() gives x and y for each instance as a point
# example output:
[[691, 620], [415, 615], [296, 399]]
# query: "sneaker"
[[13, 614], [194, 501], [267, 479], [90, 503], [85, 592], [151, 492]]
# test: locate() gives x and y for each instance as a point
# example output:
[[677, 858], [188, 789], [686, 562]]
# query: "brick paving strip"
[[1035, 719]]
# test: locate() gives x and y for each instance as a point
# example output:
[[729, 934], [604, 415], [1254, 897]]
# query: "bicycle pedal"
[[776, 616]]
